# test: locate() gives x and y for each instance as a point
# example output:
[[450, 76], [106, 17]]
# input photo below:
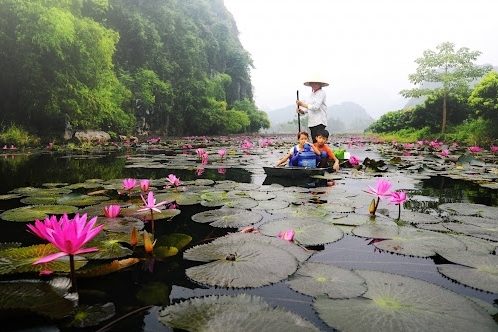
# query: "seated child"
[[326, 154], [302, 146]]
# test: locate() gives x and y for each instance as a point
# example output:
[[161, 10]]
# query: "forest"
[[164, 67]]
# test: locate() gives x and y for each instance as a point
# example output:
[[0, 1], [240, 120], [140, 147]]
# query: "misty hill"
[[347, 117]]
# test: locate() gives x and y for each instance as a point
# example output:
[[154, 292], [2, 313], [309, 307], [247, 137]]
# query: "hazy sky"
[[365, 49]]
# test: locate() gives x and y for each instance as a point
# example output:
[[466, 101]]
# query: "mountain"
[[346, 117]]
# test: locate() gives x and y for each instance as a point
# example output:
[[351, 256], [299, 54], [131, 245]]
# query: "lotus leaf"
[[239, 264], [100, 269], [228, 217], [33, 212], [390, 305], [308, 232], [87, 316], [408, 240], [469, 209], [19, 260], [315, 279], [241, 312], [35, 296], [81, 200], [479, 270], [419, 218]]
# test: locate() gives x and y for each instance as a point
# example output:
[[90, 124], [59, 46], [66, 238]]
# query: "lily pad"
[[19, 260], [391, 305], [315, 279], [308, 232], [81, 200], [488, 231], [241, 312], [239, 264], [475, 270], [33, 212], [408, 240], [36, 296], [469, 209], [87, 316], [419, 218], [228, 217]]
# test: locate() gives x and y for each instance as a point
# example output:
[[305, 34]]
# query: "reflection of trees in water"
[[447, 190]]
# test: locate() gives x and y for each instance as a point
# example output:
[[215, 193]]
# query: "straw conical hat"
[[316, 78]]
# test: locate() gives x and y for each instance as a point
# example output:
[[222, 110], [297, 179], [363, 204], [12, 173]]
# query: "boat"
[[294, 172]]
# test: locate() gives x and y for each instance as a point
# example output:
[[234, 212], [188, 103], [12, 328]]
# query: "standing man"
[[316, 107]]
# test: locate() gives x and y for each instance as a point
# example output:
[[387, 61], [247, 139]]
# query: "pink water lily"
[[381, 191], [493, 149], [112, 211], [398, 198], [129, 184], [150, 204], [354, 161], [144, 185], [174, 181], [222, 153], [288, 235], [68, 235], [475, 149]]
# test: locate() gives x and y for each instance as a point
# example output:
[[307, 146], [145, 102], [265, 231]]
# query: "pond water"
[[426, 191]]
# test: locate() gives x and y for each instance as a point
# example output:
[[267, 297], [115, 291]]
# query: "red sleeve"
[[330, 153]]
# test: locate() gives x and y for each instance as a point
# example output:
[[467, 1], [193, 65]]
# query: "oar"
[[298, 114]]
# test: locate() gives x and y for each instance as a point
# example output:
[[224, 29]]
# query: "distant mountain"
[[347, 117]]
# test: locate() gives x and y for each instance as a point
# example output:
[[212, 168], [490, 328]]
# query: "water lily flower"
[[129, 184], [150, 204], [475, 149], [68, 235], [200, 152], [493, 148], [199, 171], [222, 153], [144, 185], [174, 181], [288, 235], [354, 161], [134, 236], [382, 191], [148, 244], [222, 170], [112, 211], [445, 153], [398, 198], [205, 158]]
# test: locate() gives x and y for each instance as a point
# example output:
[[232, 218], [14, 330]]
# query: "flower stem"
[[74, 287], [399, 211], [152, 220]]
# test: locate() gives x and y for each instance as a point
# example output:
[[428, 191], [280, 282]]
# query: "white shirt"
[[317, 108]]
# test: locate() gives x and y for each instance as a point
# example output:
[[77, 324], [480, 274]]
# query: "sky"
[[365, 49]]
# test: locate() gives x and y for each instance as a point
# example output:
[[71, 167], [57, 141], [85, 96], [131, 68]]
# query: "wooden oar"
[[298, 114]]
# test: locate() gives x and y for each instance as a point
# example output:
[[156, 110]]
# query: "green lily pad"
[[33, 212], [408, 240], [19, 260], [6, 197], [241, 203], [87, 316], [121, 224], [469, 209], [487, 233], [109, 248], [81, 200], [154, 293], [475, 270], [356, 219], [304, 211], [228, 217], [419, 218], [40, 200], [315, 279], [181, 197], [239, 264], [241, 312], [36, 296], [308, 232], [390, 305], [272, 205]]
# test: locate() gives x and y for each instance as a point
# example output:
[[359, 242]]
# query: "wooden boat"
[[294, 172]]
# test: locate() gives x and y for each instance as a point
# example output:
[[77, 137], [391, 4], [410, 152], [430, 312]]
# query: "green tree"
[[452, 71], [484, 97]]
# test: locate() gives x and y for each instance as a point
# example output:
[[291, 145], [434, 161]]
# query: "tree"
[[484, 97], [452, 71]]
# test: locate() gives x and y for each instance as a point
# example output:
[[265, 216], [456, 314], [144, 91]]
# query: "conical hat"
[[317, 79]]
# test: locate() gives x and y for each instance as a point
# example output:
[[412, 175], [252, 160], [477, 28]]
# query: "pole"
[[298, 114]]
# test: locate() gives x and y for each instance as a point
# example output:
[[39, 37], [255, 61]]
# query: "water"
[[120, 288]]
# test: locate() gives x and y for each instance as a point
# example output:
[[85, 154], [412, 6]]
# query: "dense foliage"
[[128, 66], [471, 114]]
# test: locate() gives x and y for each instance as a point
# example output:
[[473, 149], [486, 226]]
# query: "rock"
[[92, 136]]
